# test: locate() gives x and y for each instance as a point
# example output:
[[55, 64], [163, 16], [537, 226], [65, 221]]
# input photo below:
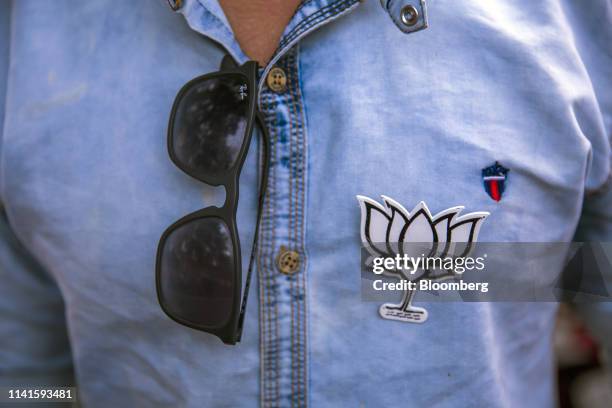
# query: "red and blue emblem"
[[494, 179]]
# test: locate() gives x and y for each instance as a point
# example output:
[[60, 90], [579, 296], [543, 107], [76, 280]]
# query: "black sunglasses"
[[199, 264]]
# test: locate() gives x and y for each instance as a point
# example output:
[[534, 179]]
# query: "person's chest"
[[366, 110]]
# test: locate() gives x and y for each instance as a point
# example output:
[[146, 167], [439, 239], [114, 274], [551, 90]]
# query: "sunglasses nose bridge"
[[231, 195]]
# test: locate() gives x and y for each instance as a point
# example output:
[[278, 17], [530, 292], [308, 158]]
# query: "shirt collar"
[[207, 18]]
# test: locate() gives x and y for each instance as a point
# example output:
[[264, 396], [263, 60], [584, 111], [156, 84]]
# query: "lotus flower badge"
[[388, 229]]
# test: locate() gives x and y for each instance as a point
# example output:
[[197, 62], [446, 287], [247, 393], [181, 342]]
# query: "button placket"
[[282, 276]]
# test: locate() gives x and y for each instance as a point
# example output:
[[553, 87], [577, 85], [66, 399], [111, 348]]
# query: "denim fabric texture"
[[88, 188]]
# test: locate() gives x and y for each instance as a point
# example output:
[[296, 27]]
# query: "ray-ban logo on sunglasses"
[[243, 91]]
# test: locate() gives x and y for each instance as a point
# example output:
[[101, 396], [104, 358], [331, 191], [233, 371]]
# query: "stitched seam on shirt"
[[302, 228], [314, 18], [298, 164], [294, 164], [262, 290], [301, 285], [272, 314], [295, 170], [304, 170], [275, 340], [287, 64], [271, 385], [299, 10], [306, 23], [262, 293], [266, 326], [291, 279], [287, 278], [302, 5]]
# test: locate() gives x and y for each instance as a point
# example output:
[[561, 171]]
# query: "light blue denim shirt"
[[370, 107]]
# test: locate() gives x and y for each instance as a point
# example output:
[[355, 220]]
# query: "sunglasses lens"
[[196, 276], [210, 125]]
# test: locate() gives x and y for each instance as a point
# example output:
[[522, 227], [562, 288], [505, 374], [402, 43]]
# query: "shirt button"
[[277, 80], [288, 261]]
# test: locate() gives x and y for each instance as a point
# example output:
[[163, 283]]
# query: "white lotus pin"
[[387, 230]]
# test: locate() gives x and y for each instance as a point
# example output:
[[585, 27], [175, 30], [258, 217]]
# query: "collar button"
[[277, 80]]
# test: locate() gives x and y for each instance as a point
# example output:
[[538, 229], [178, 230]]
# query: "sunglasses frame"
[[229, 332]]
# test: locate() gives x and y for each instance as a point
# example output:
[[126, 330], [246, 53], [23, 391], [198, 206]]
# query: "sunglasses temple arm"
[[262, 193]]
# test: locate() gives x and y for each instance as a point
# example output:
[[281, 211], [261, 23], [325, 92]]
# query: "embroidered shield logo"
[[494, 179], [388, 229]]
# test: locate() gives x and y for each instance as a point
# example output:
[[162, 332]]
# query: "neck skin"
[[259, 24]]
